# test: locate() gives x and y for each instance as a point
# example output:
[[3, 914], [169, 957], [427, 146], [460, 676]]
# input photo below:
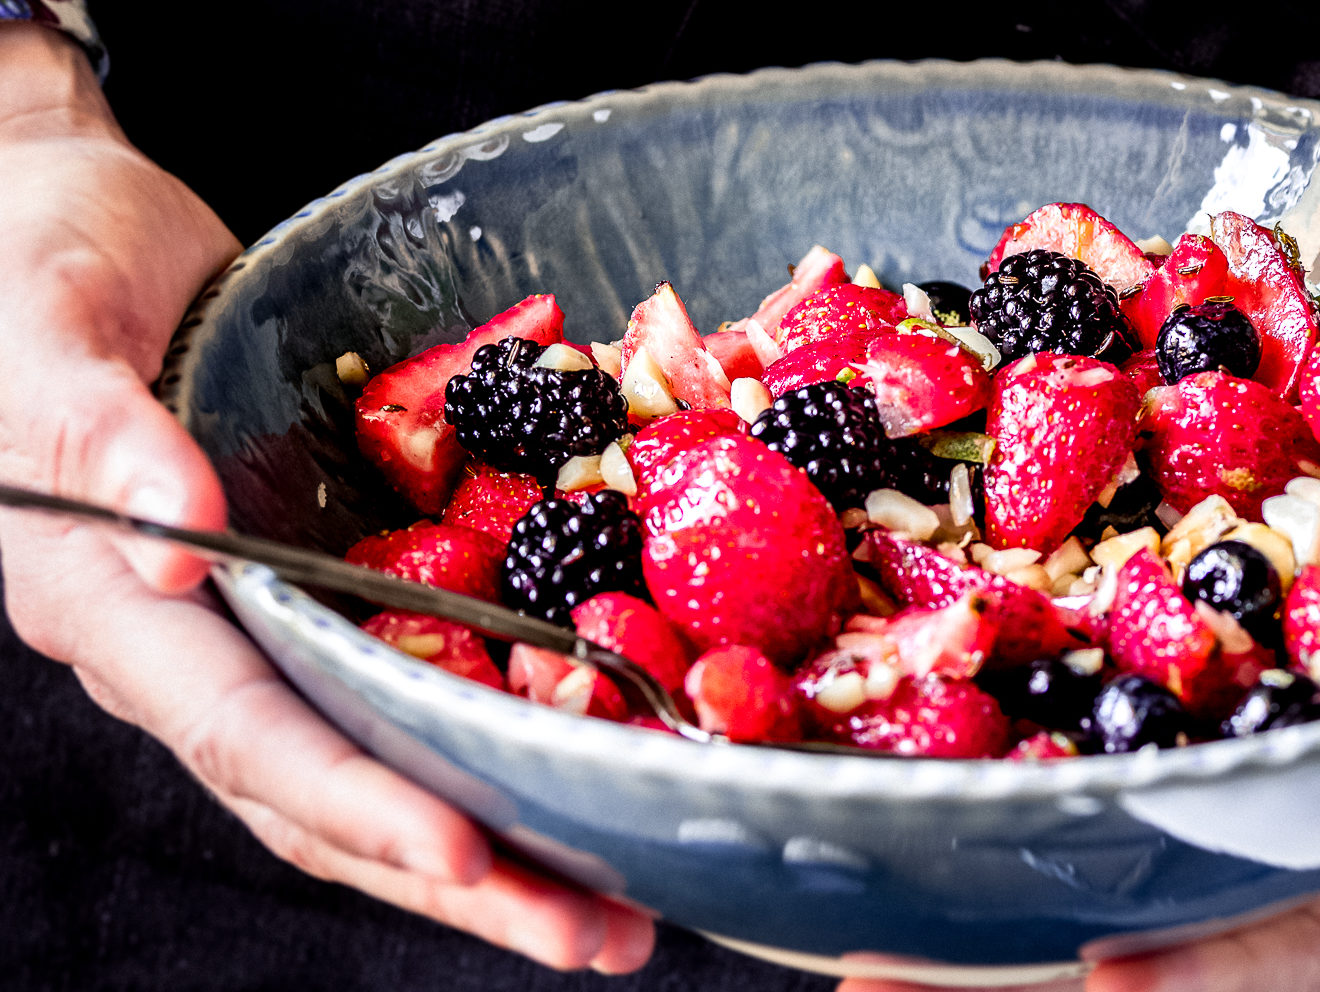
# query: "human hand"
[[102, 252], [1282, 952]]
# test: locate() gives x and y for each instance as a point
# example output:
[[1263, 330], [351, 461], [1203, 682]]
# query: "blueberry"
[[1131, 712], [949, 301], [1278, 699], [1046, 691], [1210, 336], [1236, 579]]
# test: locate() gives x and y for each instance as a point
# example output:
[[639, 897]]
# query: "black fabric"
[[116, 870]]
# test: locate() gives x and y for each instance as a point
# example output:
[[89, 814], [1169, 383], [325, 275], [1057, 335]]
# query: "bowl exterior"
[[854, 863]]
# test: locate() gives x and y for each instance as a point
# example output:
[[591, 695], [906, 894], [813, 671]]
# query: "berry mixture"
[[1072, 510]]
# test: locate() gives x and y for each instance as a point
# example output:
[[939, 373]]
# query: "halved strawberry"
[[1195, 271], [735, 353], [638, 631], [743, 549], [1216, 434], [953, 640], [1154, 631], [922, 381], [1075, 230], [442, 643], [490, 499], [554, 679], [1028, 626], [1301, 622], [932, 716], [737, 691], [1063, 426], [819, 361], [660, 324], [817, 269], [400, 415], [663, 440], [846, 308], [1143, 368], [456, 558]]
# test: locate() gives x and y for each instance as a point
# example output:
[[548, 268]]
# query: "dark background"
[[116, 870]]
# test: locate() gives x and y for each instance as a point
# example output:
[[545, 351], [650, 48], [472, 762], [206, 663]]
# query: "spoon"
[[315, 568]]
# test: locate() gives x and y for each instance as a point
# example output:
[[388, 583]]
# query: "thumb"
[[107, 440]]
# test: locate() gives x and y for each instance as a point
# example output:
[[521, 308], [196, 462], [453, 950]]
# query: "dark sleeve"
[[69, 16]]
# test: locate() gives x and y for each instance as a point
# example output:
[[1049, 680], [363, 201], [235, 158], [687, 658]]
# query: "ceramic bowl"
[[945, 871]]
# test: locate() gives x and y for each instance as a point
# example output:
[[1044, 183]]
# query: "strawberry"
[[1046, 409], [1044, 745], [847, 308], [554, 679], [743, 549], [442, 643], [660, 441], [922, 381], [400, 414], [1308, 391], [932, 716], [490, 499], [636, 630], [816, 270], [735, 353], [1216, 434], [1195, 271], [952, 640], [821, 360], [737, 691], [660, 324], [1301, 622], [1143, 369], [1154, 631], [1266, 284], [1028, 626], [456, 558], [1075, 230]]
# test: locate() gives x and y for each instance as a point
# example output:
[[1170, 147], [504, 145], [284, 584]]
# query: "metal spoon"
[[324, 571]]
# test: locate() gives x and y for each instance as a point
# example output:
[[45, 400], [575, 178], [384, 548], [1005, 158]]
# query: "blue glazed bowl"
[[970, 873]]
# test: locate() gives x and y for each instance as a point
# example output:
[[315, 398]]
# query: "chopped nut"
[[563, 357], [749, 398], [865, 276], [646, 388], [609, 357], [902, 514], [616, 471], [579, 472], [352, 369], [1274, 545], [1116, 550]]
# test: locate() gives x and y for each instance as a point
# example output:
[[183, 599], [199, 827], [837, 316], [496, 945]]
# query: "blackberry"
[[523, 417], [1046, 691], [834, 434], [913, 469], [562, 553], [1041, 300], [1235, 578], [1278, 699], [1212, 335], [1131, 712]]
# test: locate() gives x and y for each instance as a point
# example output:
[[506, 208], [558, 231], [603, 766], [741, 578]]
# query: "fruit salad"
[[1072, 510]]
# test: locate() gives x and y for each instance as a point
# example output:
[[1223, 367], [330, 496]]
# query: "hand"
[[1279, 953], [101, 253]]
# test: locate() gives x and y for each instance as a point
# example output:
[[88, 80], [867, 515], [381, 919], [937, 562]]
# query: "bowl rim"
[[777, 769]]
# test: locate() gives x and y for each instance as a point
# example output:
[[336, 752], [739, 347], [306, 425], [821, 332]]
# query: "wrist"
[[47, 85]]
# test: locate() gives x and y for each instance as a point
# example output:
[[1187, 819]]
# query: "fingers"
[[1279, 953]]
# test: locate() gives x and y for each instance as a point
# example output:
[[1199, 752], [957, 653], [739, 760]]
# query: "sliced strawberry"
[[400, 414], [1075, 230], [847, 308], [922, 381], [554, 679], [933, 717], [1154, 631], [1301, 622], [1028, 625], [1308, 390], [743, 549], [953, 640], [817, 269], [442, 643], [1195, 271], [456, 558], [737, 691], [661, 325], [491, 500], [1143, 369], [1267, 286], [736, 354], [820, 361], [1216, 434], [1043, 746], [662, 440], [636, 630], [1046, 410]]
